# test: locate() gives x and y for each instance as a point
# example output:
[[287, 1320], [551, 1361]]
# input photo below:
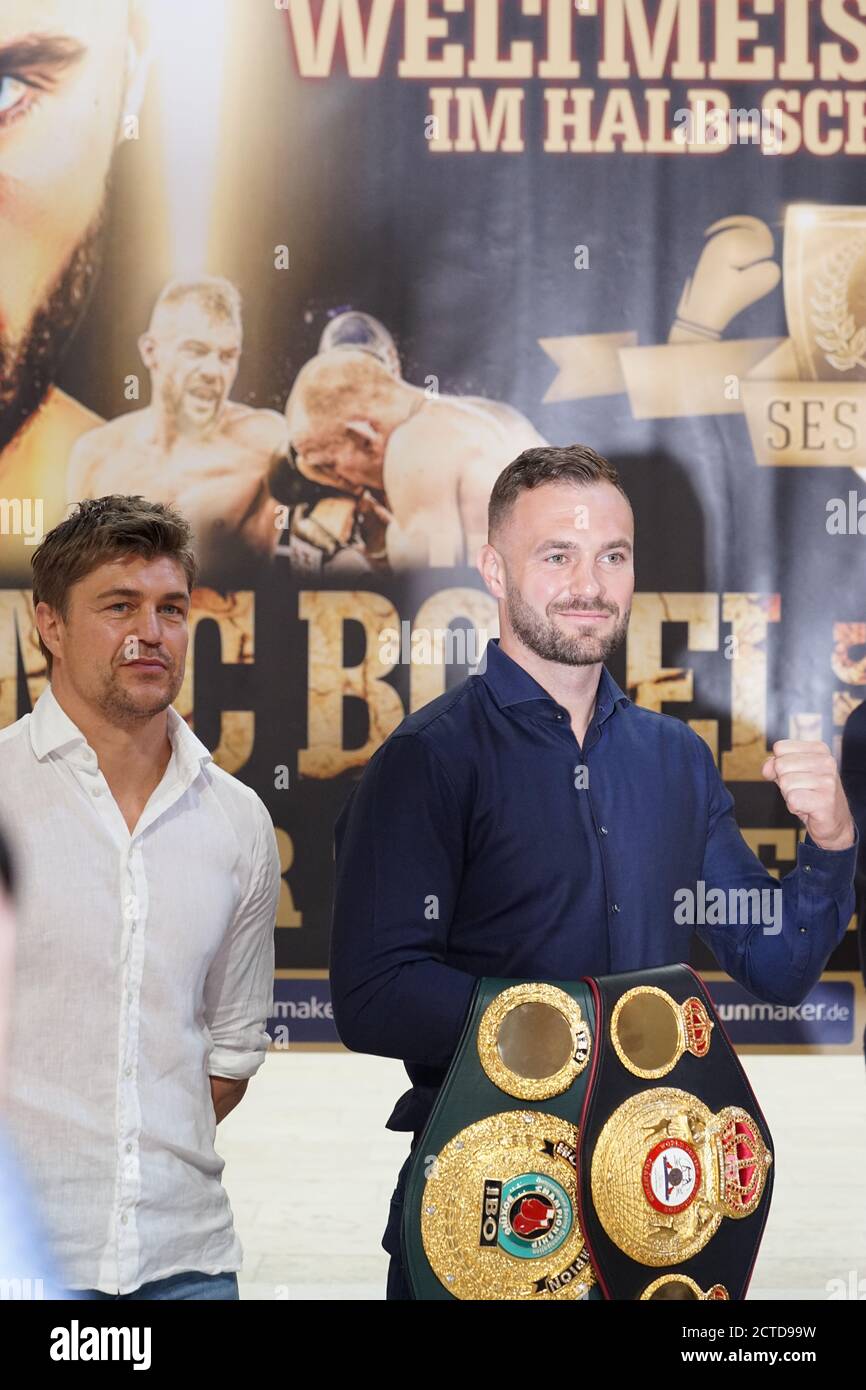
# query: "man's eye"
[[120, 604], [616, 556], [557, 557], [172, 608], [14, 93]]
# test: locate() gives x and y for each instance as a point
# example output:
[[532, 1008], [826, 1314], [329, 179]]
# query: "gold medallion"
[[533, 1041], [650, 1031], [680, 1288], [666, 1171], [499, 1211]]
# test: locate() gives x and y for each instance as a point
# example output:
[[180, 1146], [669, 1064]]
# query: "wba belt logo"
[[671, 1176], [804, 396]]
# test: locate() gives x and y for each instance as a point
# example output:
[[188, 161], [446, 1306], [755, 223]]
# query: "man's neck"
[[573, 687], [131, 756]]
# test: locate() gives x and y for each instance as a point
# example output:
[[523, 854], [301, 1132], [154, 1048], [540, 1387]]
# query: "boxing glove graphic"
[[734, 270]]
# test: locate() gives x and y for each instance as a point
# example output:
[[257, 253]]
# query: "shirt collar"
[[510, 684], [52, 731]]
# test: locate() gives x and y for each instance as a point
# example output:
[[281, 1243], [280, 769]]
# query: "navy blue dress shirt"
[[483, 840]]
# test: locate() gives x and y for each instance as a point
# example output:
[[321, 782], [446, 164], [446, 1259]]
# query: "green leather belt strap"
[[533, 1038]]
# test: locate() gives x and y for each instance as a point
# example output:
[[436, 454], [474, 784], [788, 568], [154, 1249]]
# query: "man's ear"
[[491, 567], [48, 622], [147, 349], [364, 432], [138, 56]]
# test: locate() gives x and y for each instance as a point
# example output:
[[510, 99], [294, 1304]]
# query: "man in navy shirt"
[[535, 821]]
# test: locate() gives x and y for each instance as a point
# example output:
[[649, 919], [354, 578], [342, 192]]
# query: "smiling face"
[[193, 355], [122, 646], [63, 67], [563, 570]]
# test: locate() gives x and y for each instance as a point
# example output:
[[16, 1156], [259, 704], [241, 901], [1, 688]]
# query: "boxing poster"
[[315, 271]]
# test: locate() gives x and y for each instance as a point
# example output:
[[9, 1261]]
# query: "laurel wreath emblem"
[[844, 343]]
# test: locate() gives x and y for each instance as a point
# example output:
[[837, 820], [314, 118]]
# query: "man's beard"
[[29, 367], [120, 709], [541, 635], [180, 421]]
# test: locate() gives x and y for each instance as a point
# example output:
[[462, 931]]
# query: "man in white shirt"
[[25, 1269], [149, 884]]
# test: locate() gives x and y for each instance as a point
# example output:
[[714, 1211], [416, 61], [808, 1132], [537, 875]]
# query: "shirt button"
[[559, 716], [129, 1148], [603, 829], [802, 931], [807, 868], [614, 907], [96, 791], [124, 1219], [128, 1071]]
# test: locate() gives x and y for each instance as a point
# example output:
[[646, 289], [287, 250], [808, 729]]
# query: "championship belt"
[[675, 1171], [490, 1210], [554, 1166]]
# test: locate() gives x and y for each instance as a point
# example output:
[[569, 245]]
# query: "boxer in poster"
[[422, 465], [192, 447]]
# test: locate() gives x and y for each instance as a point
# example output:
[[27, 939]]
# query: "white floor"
[[310, 1169]]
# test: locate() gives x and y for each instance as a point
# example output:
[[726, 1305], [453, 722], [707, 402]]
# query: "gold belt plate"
[[666, 1171], [499, 1215]]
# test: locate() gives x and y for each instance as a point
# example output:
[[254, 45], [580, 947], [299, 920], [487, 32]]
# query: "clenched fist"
[[808, 778]]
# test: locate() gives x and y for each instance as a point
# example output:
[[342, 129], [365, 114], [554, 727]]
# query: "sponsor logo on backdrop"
[[825, 1017]]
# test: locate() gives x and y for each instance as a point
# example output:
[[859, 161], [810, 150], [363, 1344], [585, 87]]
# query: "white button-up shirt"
[[144, 965]]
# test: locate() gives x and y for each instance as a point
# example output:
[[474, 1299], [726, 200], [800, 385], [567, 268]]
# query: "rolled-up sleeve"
[[400, 854], [781, 957], [239, 989]]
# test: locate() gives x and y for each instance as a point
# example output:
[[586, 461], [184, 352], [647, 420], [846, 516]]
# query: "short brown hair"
[[572, 463], [103, 529], [219, 298]]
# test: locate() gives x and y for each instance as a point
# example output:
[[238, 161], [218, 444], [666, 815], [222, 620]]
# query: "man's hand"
[[808, 778], [375, 520], [226, 1094]]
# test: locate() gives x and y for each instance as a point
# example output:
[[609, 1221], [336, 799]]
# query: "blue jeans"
[[193, 1285]]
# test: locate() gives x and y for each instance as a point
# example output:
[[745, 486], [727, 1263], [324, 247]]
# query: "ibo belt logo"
[[535, 1216]]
